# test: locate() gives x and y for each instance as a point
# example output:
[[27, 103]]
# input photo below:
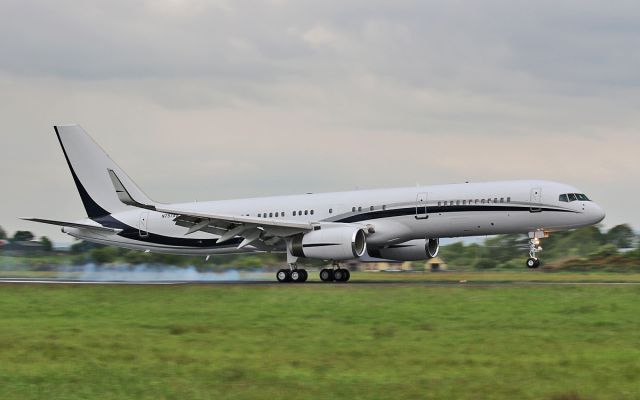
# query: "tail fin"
[[90, 166]]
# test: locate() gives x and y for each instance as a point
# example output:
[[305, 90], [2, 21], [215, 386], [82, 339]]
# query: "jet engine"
[[331, 243], [413, 250]]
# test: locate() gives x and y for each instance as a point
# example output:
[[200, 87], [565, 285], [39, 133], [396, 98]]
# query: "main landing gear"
[[334, 275], [293, 274], [534, 248]]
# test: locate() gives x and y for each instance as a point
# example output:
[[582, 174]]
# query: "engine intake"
[[332, 243]]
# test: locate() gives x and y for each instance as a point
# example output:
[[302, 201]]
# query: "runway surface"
[[351, 283]]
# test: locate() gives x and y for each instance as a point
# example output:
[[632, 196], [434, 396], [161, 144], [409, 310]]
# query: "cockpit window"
[[573, 197]]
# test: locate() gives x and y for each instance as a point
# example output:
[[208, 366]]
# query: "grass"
[[319, 341]]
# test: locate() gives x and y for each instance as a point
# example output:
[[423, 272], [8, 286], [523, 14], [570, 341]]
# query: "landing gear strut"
[[293, 274]]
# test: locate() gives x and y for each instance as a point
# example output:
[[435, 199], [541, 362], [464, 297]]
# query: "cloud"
[[201, 99]]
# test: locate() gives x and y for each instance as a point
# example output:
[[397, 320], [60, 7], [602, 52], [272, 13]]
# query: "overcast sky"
[[220, 99]]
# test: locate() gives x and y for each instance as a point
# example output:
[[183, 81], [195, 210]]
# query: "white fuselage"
[[390, 215]]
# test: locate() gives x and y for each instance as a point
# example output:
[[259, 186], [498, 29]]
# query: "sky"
[[206, 100]]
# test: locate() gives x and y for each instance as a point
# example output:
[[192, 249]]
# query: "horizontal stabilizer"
[[74, 225]]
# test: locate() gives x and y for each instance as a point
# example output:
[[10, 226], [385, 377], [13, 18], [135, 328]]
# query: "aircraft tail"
[[90, 167]]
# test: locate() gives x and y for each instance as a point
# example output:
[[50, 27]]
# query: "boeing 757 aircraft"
[[402, 224]]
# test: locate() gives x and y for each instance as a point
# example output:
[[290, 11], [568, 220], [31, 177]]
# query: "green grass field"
[[319, 341]]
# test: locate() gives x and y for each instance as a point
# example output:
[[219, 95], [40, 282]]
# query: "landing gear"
[[336, 274], [534, 248], [293, 274]]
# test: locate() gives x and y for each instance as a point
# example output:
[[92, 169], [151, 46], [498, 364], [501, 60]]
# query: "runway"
[[354, 283]]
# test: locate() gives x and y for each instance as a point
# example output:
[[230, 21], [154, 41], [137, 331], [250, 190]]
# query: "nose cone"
[[596, 213]]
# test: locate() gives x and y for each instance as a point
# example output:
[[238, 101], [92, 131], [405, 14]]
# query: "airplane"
[[399, 224]]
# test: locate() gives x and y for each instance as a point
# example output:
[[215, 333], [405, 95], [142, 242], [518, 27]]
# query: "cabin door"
[[143, 224], [421, 206], [536, 199]]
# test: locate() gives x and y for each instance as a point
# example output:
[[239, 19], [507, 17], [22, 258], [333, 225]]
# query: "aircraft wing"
[[262, 232]]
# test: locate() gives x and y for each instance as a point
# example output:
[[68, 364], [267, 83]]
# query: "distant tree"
[[104, 255], [3, 234], [23, 236], [46, 243], [83, 247], [622, 236]]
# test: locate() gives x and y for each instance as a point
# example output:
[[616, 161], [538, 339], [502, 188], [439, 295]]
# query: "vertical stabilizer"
[[90, 166]]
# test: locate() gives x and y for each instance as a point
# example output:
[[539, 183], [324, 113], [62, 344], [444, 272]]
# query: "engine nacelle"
[[413, 250], [331, 243]]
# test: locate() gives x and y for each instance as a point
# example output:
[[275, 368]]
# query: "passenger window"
[[572, 197], [311, 212], [331, 211], [306, 212], [439, 204], [294, 213], [359, 209], [495, 200], [371, 208], [482, 201], [277, 215], [353, 209], [508, 199], [457, 202], [501, 199], [270, 215], [464, 202], [300, 212], [260, 215], [384, 207], [564, 197], [282, 213]]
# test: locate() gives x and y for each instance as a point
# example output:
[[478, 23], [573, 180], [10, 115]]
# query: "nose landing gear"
[[534, 248]]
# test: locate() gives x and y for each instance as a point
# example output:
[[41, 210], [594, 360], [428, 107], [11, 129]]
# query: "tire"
[[537, 263], [326, 275], [532, 263], [304, 274], [296, 276], [347, 275], [283, 275], [339, 275]]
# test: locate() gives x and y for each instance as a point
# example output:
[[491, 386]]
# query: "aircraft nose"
[[597, 213]]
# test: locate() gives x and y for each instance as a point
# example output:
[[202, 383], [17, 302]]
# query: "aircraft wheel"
[[326, 275], [283, 275], [299, 275], [533, 263], [347, 275], [305, 275], [339, 275]]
